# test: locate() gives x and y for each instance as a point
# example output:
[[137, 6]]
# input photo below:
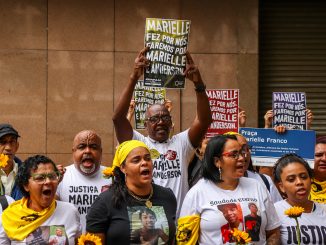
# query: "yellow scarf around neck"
[[318, 191], [19, 221]]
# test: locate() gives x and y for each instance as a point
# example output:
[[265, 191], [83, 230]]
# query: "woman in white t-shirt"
[[38, 216], [293, 175], [221, 200]]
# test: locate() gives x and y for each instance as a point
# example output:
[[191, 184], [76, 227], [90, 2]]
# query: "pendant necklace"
[[147, 201]]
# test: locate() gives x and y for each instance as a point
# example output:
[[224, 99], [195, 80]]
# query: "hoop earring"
[[220, 171]]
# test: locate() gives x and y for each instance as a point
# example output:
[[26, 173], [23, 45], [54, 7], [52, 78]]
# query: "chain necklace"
[[148, 203]]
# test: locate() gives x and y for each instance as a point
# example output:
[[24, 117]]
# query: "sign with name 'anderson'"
[[224, 104], [167, 40], [289, 110]]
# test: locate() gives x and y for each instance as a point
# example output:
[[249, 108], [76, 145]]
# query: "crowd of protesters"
[[164, 188]]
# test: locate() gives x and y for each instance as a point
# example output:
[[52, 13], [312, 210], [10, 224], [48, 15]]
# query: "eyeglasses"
[[41, 178], [156, 119], [234, 154]]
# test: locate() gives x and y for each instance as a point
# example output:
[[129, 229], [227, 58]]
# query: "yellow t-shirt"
[[318, 191]]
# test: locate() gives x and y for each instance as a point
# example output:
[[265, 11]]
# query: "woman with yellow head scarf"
[[134, 210]]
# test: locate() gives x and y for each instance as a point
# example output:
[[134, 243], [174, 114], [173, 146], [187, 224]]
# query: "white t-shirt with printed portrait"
[[170, 168], [65, 217], [205, 198]]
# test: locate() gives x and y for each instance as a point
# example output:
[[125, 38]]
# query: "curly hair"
[[119, 188], [29, 165]]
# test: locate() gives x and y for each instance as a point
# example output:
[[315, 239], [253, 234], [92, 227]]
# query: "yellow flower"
[[294, 212], [241, 237], [3, 160], [89, 239], [108, 172]]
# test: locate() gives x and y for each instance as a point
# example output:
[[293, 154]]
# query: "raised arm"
[[242, 118], [310, 118], [204, 117], [122, 126], [268, 118]]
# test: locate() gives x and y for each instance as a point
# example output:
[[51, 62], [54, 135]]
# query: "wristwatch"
[[200, 87]]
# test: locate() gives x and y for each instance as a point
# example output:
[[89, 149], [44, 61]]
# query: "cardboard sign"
[[289, 110], [268, 146], [144, 97], [224, 104], [168, 41]]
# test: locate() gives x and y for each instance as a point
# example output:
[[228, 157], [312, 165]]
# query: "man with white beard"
[[83, 180]]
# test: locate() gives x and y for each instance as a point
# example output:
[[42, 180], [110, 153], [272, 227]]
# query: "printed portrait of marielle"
[[148, 226]]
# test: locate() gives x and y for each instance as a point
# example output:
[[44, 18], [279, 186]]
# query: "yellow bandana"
[[124, 149], [232, 133], [188, 230], [19, 221], [121, 154], [318, 191]]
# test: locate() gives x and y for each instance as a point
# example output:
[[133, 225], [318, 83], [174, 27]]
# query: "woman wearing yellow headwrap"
[[134, 210], [35, 218]]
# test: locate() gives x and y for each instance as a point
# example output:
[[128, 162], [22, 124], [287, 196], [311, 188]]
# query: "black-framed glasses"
[[41, 178], [156, 119], [234, 154]]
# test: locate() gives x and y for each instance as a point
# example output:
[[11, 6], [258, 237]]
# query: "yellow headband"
[[124, 149], [232, 133], [122, 152]]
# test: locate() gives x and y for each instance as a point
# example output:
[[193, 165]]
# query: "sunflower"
[[294, 212], [108, 172], [241, 237], [89, 239], [3, 160]]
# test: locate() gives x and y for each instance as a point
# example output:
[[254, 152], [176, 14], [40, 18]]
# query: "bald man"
[[83, 180]]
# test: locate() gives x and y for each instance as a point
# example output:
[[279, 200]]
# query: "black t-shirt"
[[119, 224]]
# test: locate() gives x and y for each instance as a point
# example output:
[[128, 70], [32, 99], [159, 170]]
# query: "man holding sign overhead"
[[170, 165]]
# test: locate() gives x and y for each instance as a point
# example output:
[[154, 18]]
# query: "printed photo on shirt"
[[44, 235], [148, 225], [58, 235], [232, 213], [39, 236], [253, 222]]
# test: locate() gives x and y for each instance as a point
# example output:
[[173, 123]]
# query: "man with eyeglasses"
[[170, 166], [318, 185], [8, 146]]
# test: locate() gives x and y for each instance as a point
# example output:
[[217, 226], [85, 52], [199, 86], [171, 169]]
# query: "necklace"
[[148, 203]]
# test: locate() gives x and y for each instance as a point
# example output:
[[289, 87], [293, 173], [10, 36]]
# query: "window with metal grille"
[[292, 54]]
